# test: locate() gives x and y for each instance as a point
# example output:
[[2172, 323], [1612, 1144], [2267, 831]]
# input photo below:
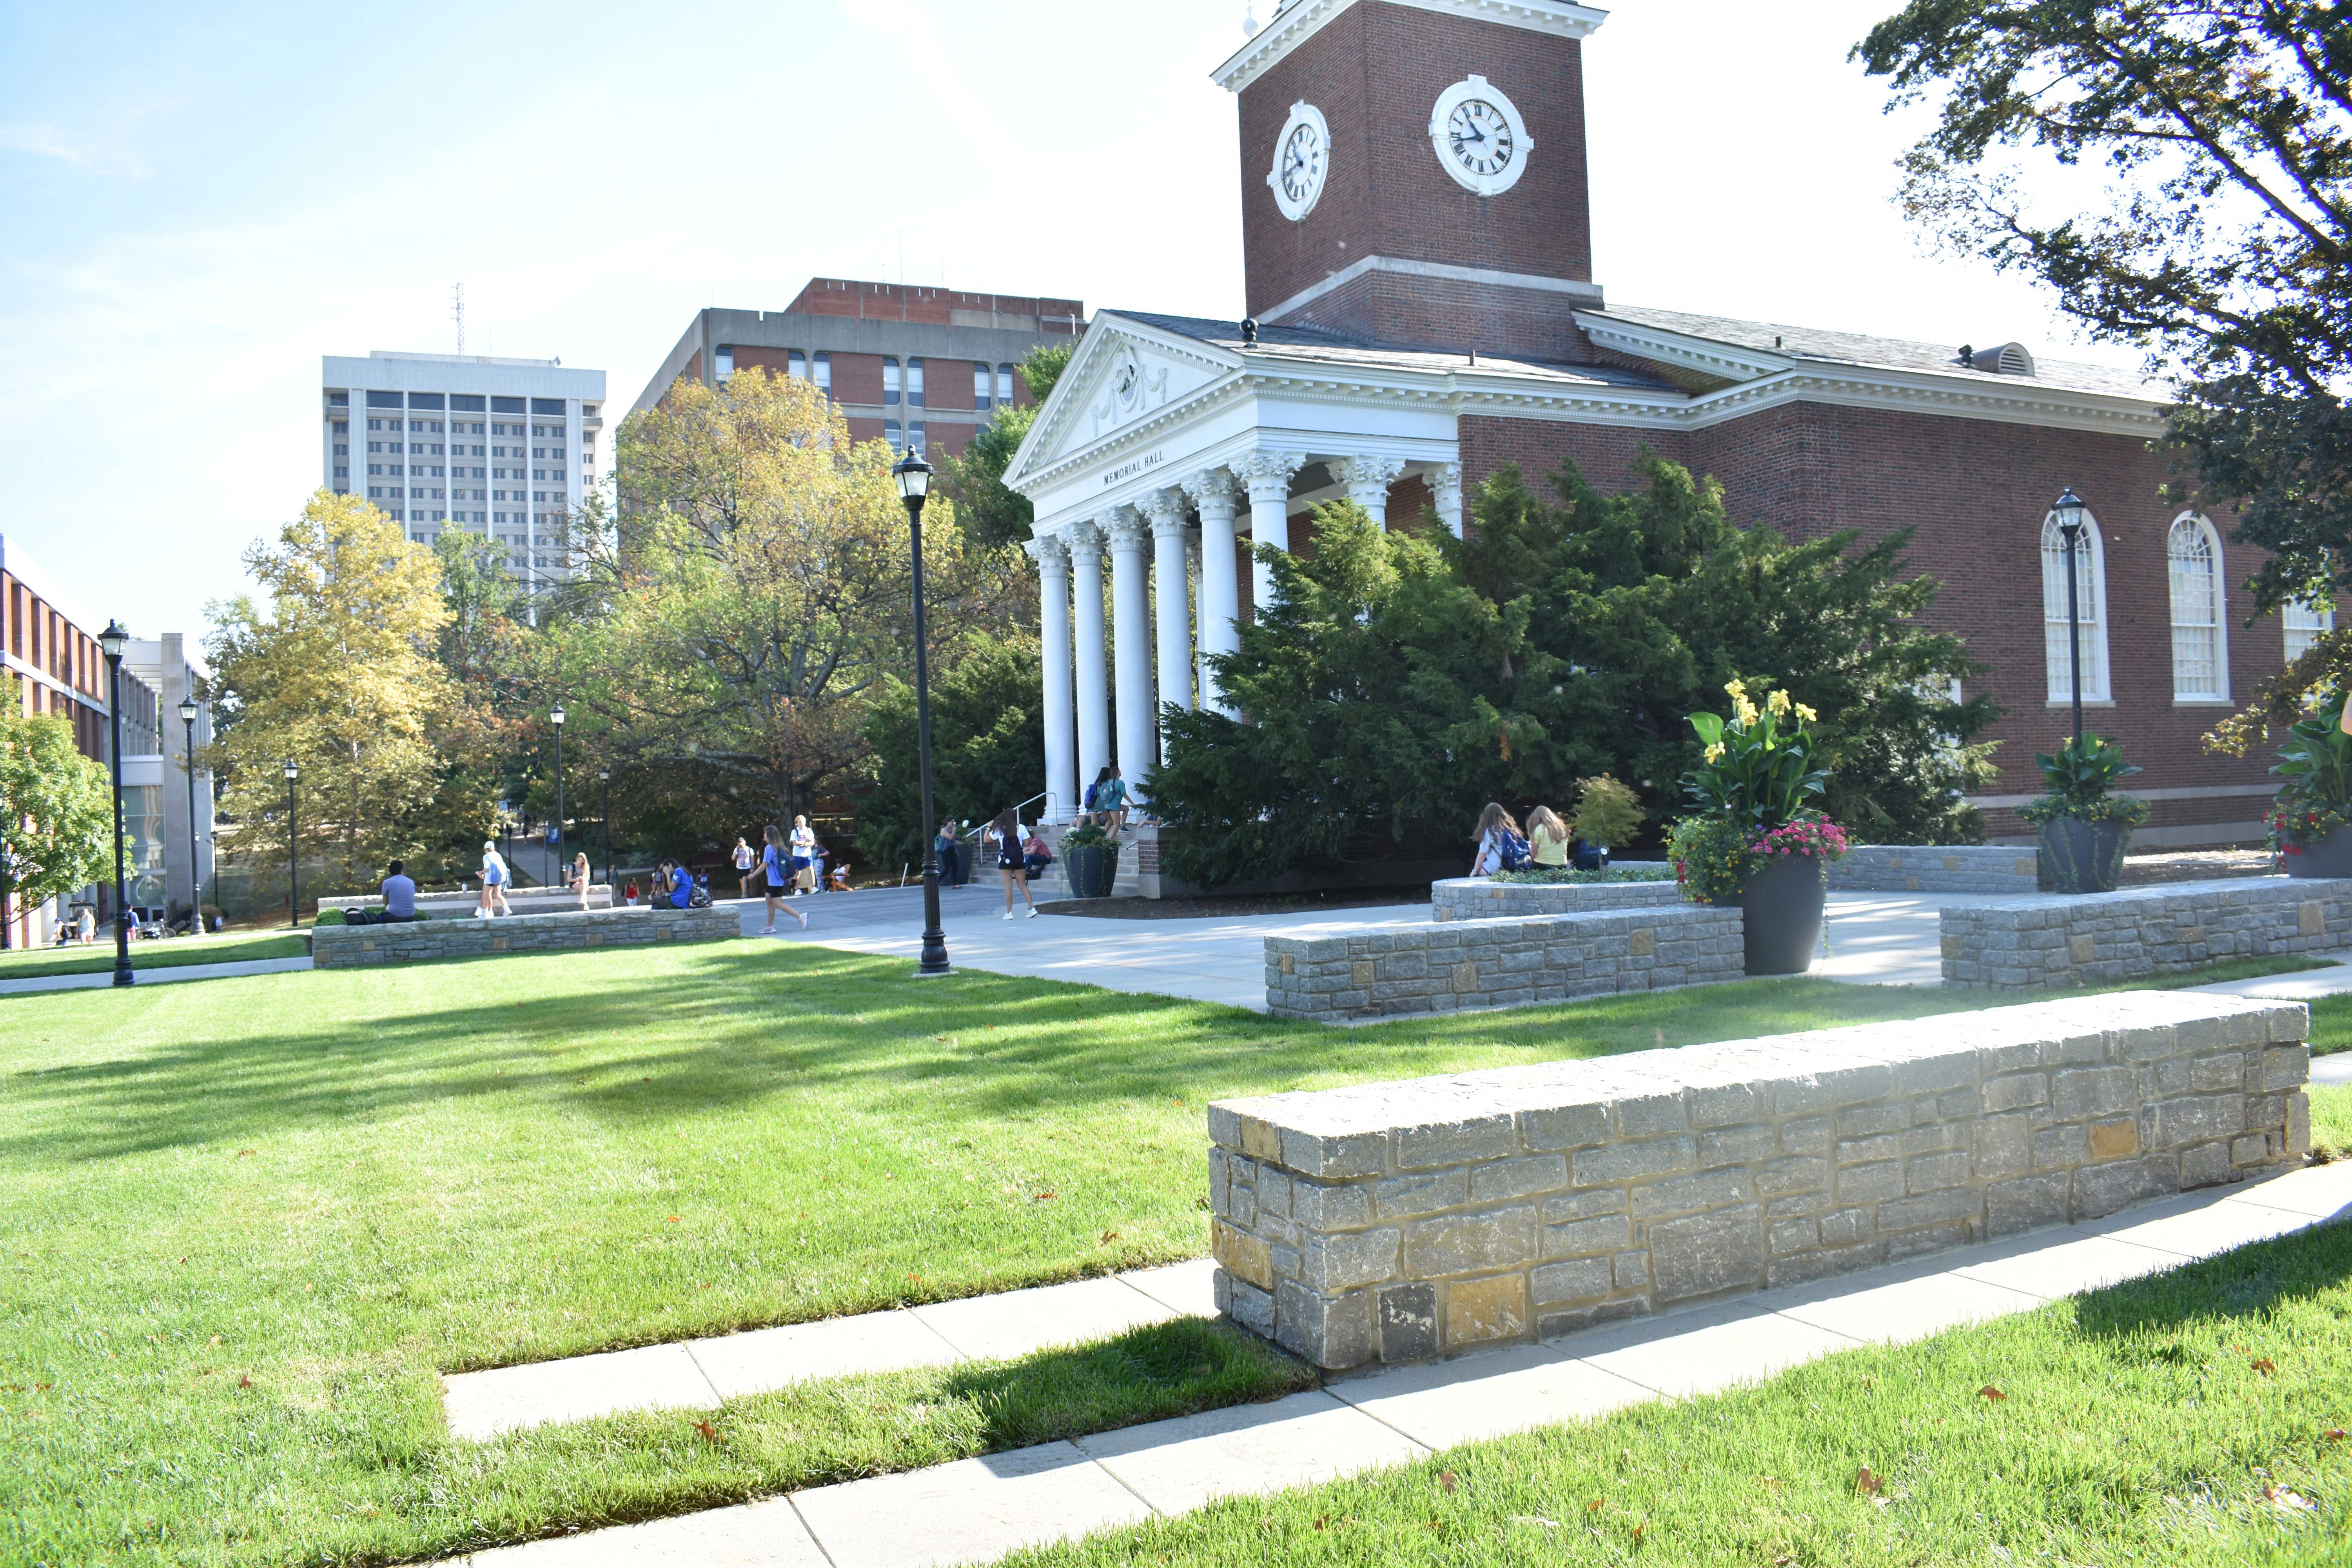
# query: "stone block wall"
[[1478, 899], [2055, 942], [523, 901], [345, 947], [1918, 869], [1395, 1222], [1441, 968]]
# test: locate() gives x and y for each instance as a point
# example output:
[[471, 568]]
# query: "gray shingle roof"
[[1312, 345]]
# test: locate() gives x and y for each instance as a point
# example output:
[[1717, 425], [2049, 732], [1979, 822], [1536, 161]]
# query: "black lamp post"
[[604, 779], [195, 876], [2069, 510], [293, 854], [914, 476], [113, 640], [556, 715]]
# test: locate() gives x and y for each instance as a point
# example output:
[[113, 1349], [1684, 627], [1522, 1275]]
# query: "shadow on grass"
[[2245, 1282]]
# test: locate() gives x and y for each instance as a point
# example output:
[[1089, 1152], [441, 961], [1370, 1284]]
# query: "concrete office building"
[[158, 803], [505, 448], [925, 367]]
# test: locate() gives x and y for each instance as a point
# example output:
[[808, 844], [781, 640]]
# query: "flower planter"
[[2080, 856], [2329, 857], [1781, 909], [1093, 868]]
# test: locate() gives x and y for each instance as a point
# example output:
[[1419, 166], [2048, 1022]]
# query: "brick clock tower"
[[1414, 172]]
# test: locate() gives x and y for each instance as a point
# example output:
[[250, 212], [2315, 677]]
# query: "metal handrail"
[[975, 833]]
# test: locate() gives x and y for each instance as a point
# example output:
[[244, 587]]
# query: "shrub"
[[2081, 778], [1607, 813], [1710, 856]]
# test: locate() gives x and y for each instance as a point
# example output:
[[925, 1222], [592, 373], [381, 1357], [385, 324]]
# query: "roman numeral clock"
[[1479, 137]]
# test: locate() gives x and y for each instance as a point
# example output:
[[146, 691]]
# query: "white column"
[[1053, 630], [1445, 482], [1130, 637], [1193, 587], [1215, 493], [1165, 510], [1084, 542], [1267, 475], [1368, 481]]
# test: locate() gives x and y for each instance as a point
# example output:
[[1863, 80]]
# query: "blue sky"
[[197, 202]]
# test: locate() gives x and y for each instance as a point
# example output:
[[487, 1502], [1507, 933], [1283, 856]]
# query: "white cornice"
[[1104, 333], [1302, 21], [1443, 269], [1725, 361]]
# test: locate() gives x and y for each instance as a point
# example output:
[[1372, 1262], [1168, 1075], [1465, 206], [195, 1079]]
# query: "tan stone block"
[[1289, 964], [2114, 1140], [2082, 950], [497, 944], [1465, 977], [1242, 1255], [2025, 866], [1951, 862], [1642, 944], [1260, 1140], [1955, 947], [595, 939], [2312, 921], [1479, 1310], [1361, 972]]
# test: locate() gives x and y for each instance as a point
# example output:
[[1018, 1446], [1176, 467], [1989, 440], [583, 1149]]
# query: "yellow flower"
[[1715, 752], [1807, 714], [1777, 703], [1745, 711], [1735, 689]]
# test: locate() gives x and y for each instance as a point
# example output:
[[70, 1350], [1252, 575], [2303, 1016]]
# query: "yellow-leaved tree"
[[738, 620], [334, 670]]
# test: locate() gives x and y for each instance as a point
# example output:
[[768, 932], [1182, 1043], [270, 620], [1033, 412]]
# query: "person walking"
[[1548, 837], [946, 846], [744, 862], [495, 877], [772, 860], [580, 875], [1110, 801], [803, 855], [1012, 864], [1501, 846]]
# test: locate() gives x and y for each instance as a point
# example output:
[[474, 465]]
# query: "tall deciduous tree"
[[57, 807], [2206, 217], [740, 619], [335, 670], [991, 513]]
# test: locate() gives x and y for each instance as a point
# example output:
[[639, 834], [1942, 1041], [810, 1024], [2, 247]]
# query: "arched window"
[[2090, 601], [2200, 665], [984, 387], [2305, 623]]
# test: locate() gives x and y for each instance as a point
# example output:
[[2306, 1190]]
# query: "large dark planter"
[[2080, 856], [1093, 868], [1780, 910], [2331, 857]]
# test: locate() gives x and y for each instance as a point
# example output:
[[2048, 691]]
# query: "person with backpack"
[[1005, 831], [1110, 801], [1501, 846]]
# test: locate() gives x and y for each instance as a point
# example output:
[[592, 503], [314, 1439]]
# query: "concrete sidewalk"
[[975, 1510], [153, 976]]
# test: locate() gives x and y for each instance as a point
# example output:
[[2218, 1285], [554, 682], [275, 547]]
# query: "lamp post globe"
[[188, 711], [914, 479], [2069, 511], [113, 640], [293, 853]]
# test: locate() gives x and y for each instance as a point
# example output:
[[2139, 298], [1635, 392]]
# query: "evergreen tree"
[[990, 513], [987, 734]]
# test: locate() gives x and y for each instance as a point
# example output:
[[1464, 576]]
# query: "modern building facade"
[[167, 798], [1421, 311], [919, 367], [505, 448]]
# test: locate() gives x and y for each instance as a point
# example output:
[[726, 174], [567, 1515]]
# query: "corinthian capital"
[[1167, 510], [1083, 541], [1053, 558], [1268, 474], [1125, 530], [1367, 477], [1213, 490]]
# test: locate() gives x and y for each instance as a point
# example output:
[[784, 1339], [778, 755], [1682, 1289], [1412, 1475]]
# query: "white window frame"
[[2301, 626], [2199, 527], [2093, 605]]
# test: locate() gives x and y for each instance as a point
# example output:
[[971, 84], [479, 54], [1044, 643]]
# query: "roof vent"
[[2010, 359]]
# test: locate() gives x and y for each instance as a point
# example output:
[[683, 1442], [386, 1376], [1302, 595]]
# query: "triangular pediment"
[[1123, 374]]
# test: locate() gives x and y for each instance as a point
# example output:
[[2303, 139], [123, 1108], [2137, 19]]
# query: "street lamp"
[[2069, 510], [556, 715], [914, 476], [114, 639], [293, 855], [604, 778], [195, 876]]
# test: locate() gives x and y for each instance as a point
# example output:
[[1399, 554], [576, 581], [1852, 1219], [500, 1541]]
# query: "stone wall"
[[2056, 942], [344, 947], [1398, 1221], [523, 901], [1500, 963], [1916, 868], [1478, 899]]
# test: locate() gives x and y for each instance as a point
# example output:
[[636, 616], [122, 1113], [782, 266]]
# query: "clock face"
[[1479, 137], [1302, 158]]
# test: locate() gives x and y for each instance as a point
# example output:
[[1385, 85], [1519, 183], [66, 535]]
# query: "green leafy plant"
[[1710, 857], [2081, 779], [1757, 768], [1547, 876], [1607, 813], [1086, 836], [2315, 772]]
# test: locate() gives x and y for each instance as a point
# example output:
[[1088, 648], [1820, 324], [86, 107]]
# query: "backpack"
[[1091, 790], [1511, 849], [700, 898]]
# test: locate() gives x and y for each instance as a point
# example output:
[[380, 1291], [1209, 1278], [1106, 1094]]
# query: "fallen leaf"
[[215, 1339], [241, 1153], [1639, 1528], [1445, 1479], [1322, 1521], [2334, 1433], [243, 1380], [1991, 1393], [2287, 1500], [710, 1433], [675, 1220], [1043, 1196], [1865, 1483], [1771, 1483], [2265, 1365], [1108, 1236], [1594, 1506]]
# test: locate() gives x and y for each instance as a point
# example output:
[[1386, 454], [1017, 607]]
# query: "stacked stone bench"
[[1398, 1221], [1454, 964], [2055, 943], [345, 947], [523, 901], [1916, 868], [1478, 899]]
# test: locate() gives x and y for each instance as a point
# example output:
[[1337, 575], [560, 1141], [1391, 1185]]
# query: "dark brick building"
[[1423, 309], [920, 367]]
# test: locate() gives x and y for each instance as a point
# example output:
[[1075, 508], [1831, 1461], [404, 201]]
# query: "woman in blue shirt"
[[773, 862]]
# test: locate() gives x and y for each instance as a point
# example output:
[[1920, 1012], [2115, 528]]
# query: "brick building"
[[916, 366], [1422, 309]]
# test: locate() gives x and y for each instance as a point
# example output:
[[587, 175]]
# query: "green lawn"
[[243, 1225], [224, 947], [2194, 1418]]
